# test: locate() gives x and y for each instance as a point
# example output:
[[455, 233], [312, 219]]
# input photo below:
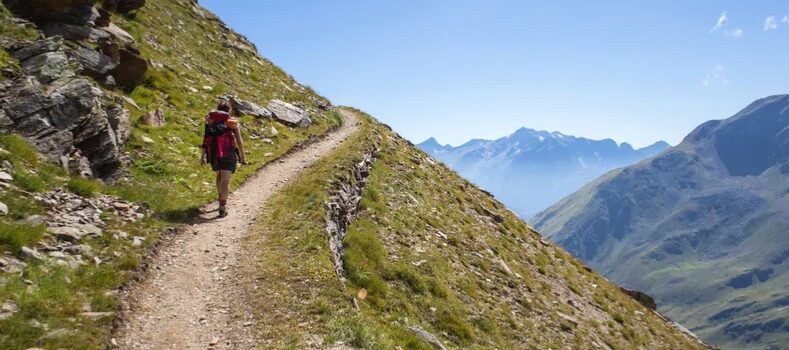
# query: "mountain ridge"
[[704, 217], [531, 169]]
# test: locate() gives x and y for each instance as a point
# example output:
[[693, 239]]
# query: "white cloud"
[[724, 17], [785, 19], [770, 24], [723, 25], [716, 77]]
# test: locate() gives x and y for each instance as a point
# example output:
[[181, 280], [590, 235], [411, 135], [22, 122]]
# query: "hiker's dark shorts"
[[227, 163]]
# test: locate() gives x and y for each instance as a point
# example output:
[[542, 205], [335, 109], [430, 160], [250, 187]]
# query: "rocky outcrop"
[[116, 61], [344, 205], [60, 113], [289, 114], [64, 115]]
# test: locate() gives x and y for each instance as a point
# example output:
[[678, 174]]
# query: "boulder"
[[248, 108], [50, 9], [66, 234], [37, 48], [74, 32], [153, 118], [131, 70], [119, 34], [32, 254], [3, 209], [93, 62], [48, 66], [641, 297], [288, 113]]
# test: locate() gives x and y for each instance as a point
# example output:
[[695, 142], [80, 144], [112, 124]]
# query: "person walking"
[[223, 148]]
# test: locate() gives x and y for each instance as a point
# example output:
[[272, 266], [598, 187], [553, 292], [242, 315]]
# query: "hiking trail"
[[191, 297]]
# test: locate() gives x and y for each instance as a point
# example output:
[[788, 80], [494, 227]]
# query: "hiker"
[[223, 147]]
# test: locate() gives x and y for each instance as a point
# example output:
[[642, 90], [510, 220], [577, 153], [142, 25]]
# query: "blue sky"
[[633, 71]]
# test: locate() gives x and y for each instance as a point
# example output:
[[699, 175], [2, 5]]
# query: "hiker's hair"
[[224, 106]]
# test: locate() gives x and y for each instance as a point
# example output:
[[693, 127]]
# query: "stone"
[[66, 234], [48, 66], [427, 337], [153, 118], [641, 297], [207, 88], [5, 177], [91, 230], [119, 34], [96, 315], [8, 309], [37, 48], [93, 62], [32, 254], [248, 108], [34, 220], [137, 241], [120, 121], [288, 113], [10, 264], [3, 209], [131, 70], [148, 140], [75, 32], [274, 132], [5, 121]]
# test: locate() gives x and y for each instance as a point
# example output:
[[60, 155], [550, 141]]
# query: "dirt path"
[[189, 300]]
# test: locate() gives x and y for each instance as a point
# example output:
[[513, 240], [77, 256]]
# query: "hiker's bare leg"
[[218, 184], [223, 183]]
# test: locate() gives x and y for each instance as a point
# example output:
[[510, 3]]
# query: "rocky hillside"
[[101, 108], [419, 258], [701, 227], [531, 170]]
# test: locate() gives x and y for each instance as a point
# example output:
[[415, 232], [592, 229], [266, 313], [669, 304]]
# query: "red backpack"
[[219, 140]]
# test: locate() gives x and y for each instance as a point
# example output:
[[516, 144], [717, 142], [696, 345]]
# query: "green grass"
[[15, 236], [452, 287], [83, 187]]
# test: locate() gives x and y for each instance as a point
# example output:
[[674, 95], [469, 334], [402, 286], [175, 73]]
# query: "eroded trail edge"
[[188, 300]]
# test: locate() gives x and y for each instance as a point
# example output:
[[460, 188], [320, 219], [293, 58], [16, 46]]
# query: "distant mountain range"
[[530, 170], [703, 227]]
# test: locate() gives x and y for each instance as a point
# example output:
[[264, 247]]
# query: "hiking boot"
[[222, 212]]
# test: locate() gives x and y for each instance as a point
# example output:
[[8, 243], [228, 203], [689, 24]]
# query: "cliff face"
[[697, 227]]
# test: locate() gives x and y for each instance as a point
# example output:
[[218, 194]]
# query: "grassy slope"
[[165, 175], [426, 247], [187, 52]]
